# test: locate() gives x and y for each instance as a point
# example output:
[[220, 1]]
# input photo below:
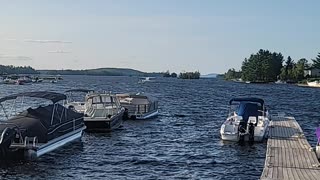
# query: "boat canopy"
[[79, 90], [256, 100], [53, 96]]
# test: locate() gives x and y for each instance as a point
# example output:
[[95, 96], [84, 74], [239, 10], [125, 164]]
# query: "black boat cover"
[[40, 123], [53, 96]]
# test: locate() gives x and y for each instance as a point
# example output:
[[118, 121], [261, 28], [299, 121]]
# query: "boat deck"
[[289, 155]]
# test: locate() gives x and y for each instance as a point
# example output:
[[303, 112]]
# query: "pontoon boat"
[[37, 131], [74, 101], [103, 112], [139, 105]]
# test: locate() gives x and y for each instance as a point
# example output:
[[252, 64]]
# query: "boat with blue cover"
[[248, 120]]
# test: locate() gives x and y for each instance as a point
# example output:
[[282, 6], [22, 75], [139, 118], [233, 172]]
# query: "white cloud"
[[45, 41], [10, 39], [39, 41], [15, 57], [59, 52]]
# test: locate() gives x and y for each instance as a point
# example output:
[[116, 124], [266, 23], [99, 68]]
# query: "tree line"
[[4, 70], [183, 75], [266, 66]]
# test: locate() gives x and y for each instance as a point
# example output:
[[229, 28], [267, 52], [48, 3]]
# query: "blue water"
[[182, 143]]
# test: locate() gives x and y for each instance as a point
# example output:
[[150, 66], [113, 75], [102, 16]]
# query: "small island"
[[266, 66], [189, 75]]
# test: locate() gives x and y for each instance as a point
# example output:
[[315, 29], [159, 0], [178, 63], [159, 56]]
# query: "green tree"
[[167, 74], [17, 70], [263, 66], [316, 62], [232, 74], [190, 75], [301, 65], [174, 75]]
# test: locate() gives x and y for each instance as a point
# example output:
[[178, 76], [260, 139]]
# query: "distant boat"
[[280, 82], [314, 84], [146, 79]]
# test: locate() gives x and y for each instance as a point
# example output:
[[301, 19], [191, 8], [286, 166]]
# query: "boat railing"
[[16, 127], [73, 126]]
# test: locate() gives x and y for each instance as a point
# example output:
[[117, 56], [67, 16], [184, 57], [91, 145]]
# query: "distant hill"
[[100, 72], [212, 75]]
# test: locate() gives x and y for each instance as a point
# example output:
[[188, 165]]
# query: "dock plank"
[[289, 155]]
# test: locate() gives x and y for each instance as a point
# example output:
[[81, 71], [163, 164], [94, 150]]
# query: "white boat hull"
[[229, 132], [58, 142], [235, 137], [148, 116], [313, 84]]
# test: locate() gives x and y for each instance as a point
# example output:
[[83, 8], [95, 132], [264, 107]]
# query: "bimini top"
[[79, 90], [53, 96], [257, 100]]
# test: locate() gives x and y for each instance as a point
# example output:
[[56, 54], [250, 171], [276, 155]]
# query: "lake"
[[183, 142]]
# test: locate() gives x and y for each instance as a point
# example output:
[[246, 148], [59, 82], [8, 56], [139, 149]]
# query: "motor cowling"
[[251, 132], [242, 131]]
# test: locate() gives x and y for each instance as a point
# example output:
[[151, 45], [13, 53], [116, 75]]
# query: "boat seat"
[[229, 128]]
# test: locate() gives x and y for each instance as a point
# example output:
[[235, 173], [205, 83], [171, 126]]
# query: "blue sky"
[[154, 35]]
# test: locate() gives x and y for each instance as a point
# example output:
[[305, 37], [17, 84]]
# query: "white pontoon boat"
[[139, 105], [103, 112]]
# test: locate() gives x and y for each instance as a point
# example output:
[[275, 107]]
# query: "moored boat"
[[314, 84], [139, 105], [103, 112], [37, 131], [146, 79], [75, 102], [249, 121]]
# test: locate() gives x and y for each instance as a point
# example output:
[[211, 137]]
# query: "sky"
[[210, 36]]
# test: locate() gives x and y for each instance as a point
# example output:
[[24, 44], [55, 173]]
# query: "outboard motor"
[[242, 130], [248, 111], [125, 114], [251, 122]]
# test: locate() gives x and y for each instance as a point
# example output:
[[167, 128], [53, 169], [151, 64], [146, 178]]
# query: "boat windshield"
[[103, 99]]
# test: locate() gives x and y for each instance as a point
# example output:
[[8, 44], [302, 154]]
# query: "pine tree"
[[316, 62]]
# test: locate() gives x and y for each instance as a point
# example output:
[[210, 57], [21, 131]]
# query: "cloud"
[[45, 41], [15, 57], [10, 39], [59, 52]]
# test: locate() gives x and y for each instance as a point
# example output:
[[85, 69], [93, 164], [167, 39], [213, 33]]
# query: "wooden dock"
[[289, 155]]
